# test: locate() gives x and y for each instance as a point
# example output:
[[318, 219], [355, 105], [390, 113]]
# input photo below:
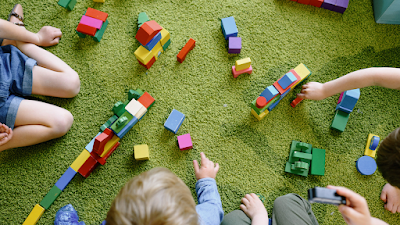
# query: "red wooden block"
[[102, 161], [185, 50], [146, 99], [261, 102], [296, 101], [316, 3], [147, 31], [96, 14], [149, 64], [87, 168], [85, 29], [306, 2], [101, 140]]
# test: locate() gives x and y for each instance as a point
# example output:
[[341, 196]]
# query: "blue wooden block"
[[229, 28], [149, 46], [374, 142], [269, 93], [174, 121], [349, 100], [387, 11], [65, 178], [287, 80], [366, 165], [89, 146], [271, 107], [127, 127]]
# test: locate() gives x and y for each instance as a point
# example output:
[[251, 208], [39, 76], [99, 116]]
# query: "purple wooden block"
[[329, 4], [234, 45], [91, 22], [342, 5]]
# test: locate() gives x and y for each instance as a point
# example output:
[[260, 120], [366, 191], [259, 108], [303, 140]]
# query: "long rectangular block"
[[340, 120], [150, 45], [185, 50], [80, 160], [143, 55], [50, 197], [94, 13], [65, 178], [318, 162], [174, 121], [259, 116], [99, 34], [128, 126], [110, 144], [165, 36], [96, 23], [85, 29], [229, 28], [146, 100], [34, 216]]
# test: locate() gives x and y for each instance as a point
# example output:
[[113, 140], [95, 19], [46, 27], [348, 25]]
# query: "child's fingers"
[[216, 168], [204, 159], [245, 201], [300, 95], [383, 195], [196, 166], [3, 135]]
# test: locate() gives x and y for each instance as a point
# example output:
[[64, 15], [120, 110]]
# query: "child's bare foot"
[[16, 16], [254, 209]]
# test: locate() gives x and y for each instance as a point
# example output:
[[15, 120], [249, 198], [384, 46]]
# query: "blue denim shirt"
[[210, 206]]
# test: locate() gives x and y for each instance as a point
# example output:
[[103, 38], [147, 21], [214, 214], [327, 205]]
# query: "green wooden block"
[[108, 123], [50, 197], [142, 18], [387, 11], [80, 34], [99, 34], [261, 197], [301, 156], [259, 111], [140, 91], [340, 120], [71, 5], [121, 122], [119, 108], [64, 3], [301, 172], [165, 46], [132, 94], [126, 102], [294, 148], [318, 162]]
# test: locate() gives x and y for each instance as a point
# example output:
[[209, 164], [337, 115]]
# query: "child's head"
[[388, 158], [155, 197]]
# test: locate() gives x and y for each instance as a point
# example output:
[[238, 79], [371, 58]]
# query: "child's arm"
[[254, 209], [391, 196], [379, 76], [47, 36], [210, 206]]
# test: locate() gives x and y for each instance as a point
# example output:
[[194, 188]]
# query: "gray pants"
[[288, 209]]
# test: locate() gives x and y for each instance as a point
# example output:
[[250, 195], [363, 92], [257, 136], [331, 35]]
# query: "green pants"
[[288, 209]]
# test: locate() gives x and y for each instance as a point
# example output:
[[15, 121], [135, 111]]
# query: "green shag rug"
[[276, 34]]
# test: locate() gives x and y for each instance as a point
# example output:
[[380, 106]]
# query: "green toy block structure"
[[108, 123], [318, 162], [119, 108], [340, 120], [121, 122], [50, 197], [132, 94], [68, 4]]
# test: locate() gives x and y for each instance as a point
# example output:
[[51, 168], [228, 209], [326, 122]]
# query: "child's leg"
[[237, 217]]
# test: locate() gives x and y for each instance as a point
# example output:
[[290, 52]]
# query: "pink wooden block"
[[237, 73], [185, 142], [340, 98], [91, 22]]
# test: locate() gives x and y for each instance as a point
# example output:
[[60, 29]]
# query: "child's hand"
[[391, 196], [254, 209], [5, 134], [207, 168], [48, 36], [313, 91]]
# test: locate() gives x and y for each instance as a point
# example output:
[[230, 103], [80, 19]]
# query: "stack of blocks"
[[242, 66], [100, 147], [366, 164], [173, 123], [185, 50], [273, 94], [230, 31], [92, 23], [346, 103], [153, 40], [334, 5], [68, 4], [301, 156]]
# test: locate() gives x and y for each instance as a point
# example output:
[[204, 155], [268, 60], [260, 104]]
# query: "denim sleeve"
[[210, 206]]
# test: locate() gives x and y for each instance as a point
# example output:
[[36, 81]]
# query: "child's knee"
[[62, 123], [74, 84]]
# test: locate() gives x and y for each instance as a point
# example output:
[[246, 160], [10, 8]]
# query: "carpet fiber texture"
[[276, 34]]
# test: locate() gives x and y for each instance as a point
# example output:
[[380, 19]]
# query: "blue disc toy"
[[366, 165]]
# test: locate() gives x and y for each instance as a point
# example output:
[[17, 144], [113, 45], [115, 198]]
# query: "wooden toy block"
[[237, 73], [127, 127], [318, 162], [110, 144], [349, 100], [147, 31], [287, 80], [80, 34], [133, 107], [65, 178], [80, 160], [157, 50], [270, 93], [242, 64], [89, 147], [165, 36], [229, 28], [302, 71], [96, 14], [146, 100], [34, 216], [156, 39], [372, 144], [121, 122], [316, 3], [387, 11], [174, 121], [149, 64], [335, 5], [273, 105], [99, 34], [92, 22], [119, 108], [108, 123], [141, 152], [133, 94], [101, 140], [305, 2], [103, 159], [99, 1], [234, 45], [71, 5], [340, 120], [366, 165], [50, 197], [165, 46], [143, 55], [142, 18], [340, 97], [141, 113], [63, 3], [259, 116], [300, 168], [261, 102], [185, 142], [85, 29], [259, 111], [296, 101], [87, 168], [185, 50]]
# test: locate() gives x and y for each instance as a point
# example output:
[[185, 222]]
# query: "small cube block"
[[71, 5], [174, 121], [134, 107], [269, 93], [141, 152], [287, 80], [146, 100], [234, 45], [185, 142], [340, 120], [34, 216], [147, 31], [242, 64]]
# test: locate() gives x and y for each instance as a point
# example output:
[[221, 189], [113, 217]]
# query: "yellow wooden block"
[[101, 1], [34, 216], [157, 50], [261, 116], [141, 112], [110, 144], [143, 55], [303, 72], [80, 160], [141, 152], [242, 64], [165, 36], [368, 151]]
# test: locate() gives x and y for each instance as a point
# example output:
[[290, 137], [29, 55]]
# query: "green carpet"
[[276, 34]]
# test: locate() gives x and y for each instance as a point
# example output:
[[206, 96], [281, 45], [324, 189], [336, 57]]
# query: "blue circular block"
[[366, 165]]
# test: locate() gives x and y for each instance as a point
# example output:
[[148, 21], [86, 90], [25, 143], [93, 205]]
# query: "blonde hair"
[[155, 197]]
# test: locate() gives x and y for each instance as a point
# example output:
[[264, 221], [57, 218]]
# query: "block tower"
[[93, 23], [346, 103], [230, 31]]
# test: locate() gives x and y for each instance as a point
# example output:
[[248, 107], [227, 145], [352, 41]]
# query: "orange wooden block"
[[149, 64], [101, 140], [85, 29], [146, 99], [316, 3], [87, 168], [185, 50], [147, 31], [296, 101], [96, 14]]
